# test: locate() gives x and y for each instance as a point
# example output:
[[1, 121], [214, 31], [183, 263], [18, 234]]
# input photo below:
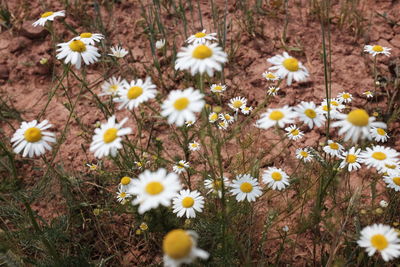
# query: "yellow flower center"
[[202, 52], [218, 88], [122, 195], [217, 185], [246, 187], [177, 244], [181, 103], [33, 134], [187, 202], [325, 107], [377, 48], [77, 46], [351, 158], [310, 113], [47, 14], [295, 132], [237, 104], [113, 88], [110, 135], [194, 145], [214, 117], [346, 96], [358, 117], [379, 242], [270, 76], [85, 35], [227, 117], [334, 146], [143, 226], [125, 180], [200, 35], [291, 64], [134, 92], [379, 155], [396, 180], [390, 166], [334, 103], [276, 176], [276, 115], [304, 154], [380, 131], [154, 188]]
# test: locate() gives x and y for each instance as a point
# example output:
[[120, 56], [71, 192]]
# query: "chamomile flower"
[[215, 186], [368, 94], [180, 106], [218, 88], [246, 110], [180, 247], [237, 103], [181, 166], [356, 125], [334, 149], [334, 108], [270, 76], [122, 195], [112, 86], [107, 139], [272, 90], [223, 125], [154, 188], [304, 154], [90, 38], [379, 156], [125, 183], [75, 51], [393, 180], [245, 187], [308, 113], [201, 58], [383, 203], [379, 134], [227, 117], [275, 178], [132, 94], [160, 44], [32, 139], [293, 132], [345, 97], [213, 117], [351, 159], [290, 67], [48, 16], [201, 38], [118, 51], [278, 116], [381, 238], [377, 49], [187, 203], [194, 146]]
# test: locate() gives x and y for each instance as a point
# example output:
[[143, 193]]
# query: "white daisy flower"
[[379, 156], [227, 117], [377, 49], [223, 125], [334, 149], [275, 178], [335, 103], [180, 106], [122, 195], [304, 154], [213, 117], [246, 110], [335, 108], [75, 51], [180, 247], [218, 88], [383, 203], [294, 133], [154, 188], [351, 159], [125, 183], [188, 203], [356, 124], [181, 166], [48, 16], [290, 67], [215, 186], [368, 94], [90, 38], [201, 38], [272, 90], [113, 85], [245, 187], [118, 51], [393, 180], [278, 116], [107, 139], [308, 113], [31, 138], [160, 44], [194, 146], [270, 76], [237, 103], [345, 97], [379, 134], [201, 58], [381, 238], [131, 95]]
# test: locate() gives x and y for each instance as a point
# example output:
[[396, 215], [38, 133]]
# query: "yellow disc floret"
[[351, 158], [181, 103], [291, 64], [85, 35], [276, 176], [110, 135], [380, 131], [33, 135], [77, 46], [396, 180], [358, 117], [125, 180], [187, 202], [202, 52], [379, 242], [377, 48], [304, 154], [177, 244], [47, 14], [200, 35], [310, 113], [276, 115], [379, 155], [154, 188], [334, 146], [134, 92], [246, 187]]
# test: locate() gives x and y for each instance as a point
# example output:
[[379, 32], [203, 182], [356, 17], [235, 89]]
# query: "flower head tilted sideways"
[[160, 44], [334, 108], [379, 134], [294, 133], [118, 51], [113, 85], [75, 51], [381, 238], [215, 186], [351, 159], [132, 94], [304, 154], [32, 139], [194, 146], [269, 76], [275, 178], [201, 58], [375, 50], [125, 183], [379, 156], [333, 148], [188, 203], [308, 113], [290, 67], [246, 110], [107, 139], [180, 106], [345, 97], [48, 16], [181, 166], [180, 247], [392, 180], [278, 116], [90, 38], [357, 124], [272, 90], [245, 187], [218, 88], [201, 38], [152, 189]]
